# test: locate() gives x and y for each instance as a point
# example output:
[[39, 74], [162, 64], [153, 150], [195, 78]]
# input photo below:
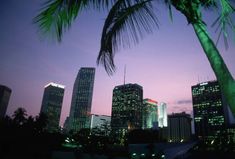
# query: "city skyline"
[[168, 71]]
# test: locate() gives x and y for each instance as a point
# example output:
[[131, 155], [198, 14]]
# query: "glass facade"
[[127, 106], [5, 94], [80, 111], [150, 114], [208, 109], [52, 104], [162, 115]]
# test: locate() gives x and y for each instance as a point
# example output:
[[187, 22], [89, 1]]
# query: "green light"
[[163, 156]]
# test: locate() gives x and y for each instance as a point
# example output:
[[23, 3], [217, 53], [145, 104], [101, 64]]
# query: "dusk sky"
[[166, 63]]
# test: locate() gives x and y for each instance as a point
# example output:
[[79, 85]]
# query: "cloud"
[[188, 101]]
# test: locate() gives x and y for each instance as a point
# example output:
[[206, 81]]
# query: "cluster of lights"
[[134, 155], [54, 85]]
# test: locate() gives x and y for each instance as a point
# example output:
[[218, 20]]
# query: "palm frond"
[[56, 16], [126, 23], [169, 6], [224, 21], [209, 4]]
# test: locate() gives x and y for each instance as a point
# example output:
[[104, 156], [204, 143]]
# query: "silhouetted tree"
[[20, 116], [41, 122], [128, 20]]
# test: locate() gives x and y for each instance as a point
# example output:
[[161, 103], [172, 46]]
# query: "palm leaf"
[[57, 15], [126, 23], [224, 21]]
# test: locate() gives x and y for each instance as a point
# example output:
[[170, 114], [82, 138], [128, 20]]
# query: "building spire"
[[125, 75]]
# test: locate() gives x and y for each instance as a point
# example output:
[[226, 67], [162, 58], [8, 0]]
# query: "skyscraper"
[[179, 127], [162, 115], [150, 114], [5, 94], [102, 122], [80, 111], [208, 109], [52, 104], [127, 106]]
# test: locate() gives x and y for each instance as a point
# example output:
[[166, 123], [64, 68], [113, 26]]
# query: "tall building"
[[162, 115], [179, 127], [80, 111], [102, 122], [126, 108], [208, 109], [150, 114], [52, 104], [99, 120], [5, 94]]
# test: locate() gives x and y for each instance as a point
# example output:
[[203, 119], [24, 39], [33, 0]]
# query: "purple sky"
[[166, 63]]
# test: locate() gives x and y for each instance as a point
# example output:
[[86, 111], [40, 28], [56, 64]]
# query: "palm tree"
[[19, 116], [128, 20]]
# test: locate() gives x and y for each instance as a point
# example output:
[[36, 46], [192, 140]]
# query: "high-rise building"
[[102, 123], [99, 120], [162, 115], [52, 104], [150, 114], [179, 127], [80, 111], [5, 94], [208, 109], [127, 106]]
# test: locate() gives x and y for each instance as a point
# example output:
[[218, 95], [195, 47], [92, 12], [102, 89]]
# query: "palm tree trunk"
[[225, 79]]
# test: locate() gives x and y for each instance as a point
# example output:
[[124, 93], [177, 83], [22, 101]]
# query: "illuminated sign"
[[150, 101]]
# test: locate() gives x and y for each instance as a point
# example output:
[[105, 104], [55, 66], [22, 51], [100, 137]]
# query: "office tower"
[[52, 104], [162, 115], [82, 99], [126, 108], [208, 109], [97, 121], [102, 123], [150, 114], [5, 94], [179, 127], [66, 125]]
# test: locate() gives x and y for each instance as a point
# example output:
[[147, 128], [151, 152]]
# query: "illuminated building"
[[179, 127], [208, 109], [162, 115], [5, 94], [102, 122], [126, 108], [82, 99], [52, 104], [150, 114], [99, 120]]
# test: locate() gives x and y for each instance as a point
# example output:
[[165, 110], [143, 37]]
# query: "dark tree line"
[[26, 136]]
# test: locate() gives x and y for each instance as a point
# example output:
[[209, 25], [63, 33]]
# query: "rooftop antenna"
[[125, 75]]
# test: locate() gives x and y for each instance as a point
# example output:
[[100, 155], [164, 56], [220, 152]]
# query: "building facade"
[[127, 106], [5, 94], [102, 123], [208, 109], [150, 114], [80, 111], [162, 115], [52, 104], [179, 127]]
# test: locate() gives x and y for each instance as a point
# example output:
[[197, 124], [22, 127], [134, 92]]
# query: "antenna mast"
[[125, 75]]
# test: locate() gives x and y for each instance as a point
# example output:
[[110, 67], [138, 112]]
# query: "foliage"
[[24, 136]]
